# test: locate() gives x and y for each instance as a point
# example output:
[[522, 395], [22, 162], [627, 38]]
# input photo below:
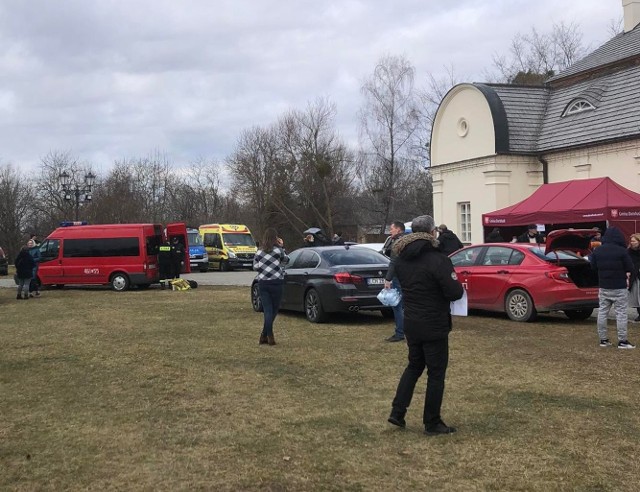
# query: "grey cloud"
[[120, 78]]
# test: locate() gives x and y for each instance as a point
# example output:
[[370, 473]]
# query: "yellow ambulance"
[[229, 246]]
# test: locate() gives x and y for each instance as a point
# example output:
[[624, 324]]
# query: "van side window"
[[112, 246], [49, 249], [212, 240]]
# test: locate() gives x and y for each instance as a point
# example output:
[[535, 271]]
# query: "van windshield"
[[238, 240], [195, 239]]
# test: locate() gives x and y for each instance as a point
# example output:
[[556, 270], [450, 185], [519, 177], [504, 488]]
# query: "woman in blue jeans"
[[269, 262]]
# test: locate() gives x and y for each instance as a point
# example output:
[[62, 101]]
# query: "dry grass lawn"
[[159, 390]]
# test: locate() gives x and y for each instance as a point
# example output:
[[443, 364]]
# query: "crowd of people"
[[420, 269]]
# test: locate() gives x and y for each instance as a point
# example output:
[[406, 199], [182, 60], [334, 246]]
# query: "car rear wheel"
[[256, 304], [119, 282], [578, 314], [224, 266], [313, 307], [519, 306]]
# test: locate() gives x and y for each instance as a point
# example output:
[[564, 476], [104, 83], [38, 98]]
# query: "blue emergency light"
[[69, 223]]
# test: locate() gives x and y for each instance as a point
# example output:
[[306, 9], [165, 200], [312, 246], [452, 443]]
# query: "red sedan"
[[524, 279]]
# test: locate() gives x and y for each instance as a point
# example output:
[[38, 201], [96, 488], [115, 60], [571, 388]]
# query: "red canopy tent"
[[573, 202]]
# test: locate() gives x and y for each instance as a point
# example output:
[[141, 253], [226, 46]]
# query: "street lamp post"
[[80, 192]]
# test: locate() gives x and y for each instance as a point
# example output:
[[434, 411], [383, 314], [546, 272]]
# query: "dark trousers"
[[164, 271], [176, 268], [270, 297], [434, 355]]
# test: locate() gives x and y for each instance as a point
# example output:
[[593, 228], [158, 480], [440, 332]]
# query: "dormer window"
[[578, 106]]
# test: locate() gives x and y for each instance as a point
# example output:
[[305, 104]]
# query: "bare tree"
[[536, 56], [50, 205], [16, 209], [616, 26], [389, 122], [252, 167], [117, 198], [318, 168]]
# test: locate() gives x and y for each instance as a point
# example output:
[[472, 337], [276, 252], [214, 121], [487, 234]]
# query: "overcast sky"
[[113, 79]]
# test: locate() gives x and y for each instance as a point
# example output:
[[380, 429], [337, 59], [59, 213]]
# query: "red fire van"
[[119, 255]]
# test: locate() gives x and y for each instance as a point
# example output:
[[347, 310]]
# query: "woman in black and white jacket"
[[269, 262]]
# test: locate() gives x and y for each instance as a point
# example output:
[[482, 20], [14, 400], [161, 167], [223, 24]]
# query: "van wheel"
[[519, 306], [224, 266], [119, 282]]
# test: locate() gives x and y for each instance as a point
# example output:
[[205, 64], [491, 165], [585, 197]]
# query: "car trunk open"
[[577, 241]]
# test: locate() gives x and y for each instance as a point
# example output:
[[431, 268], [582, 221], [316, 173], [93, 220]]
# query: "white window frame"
[[578, 106], [464, 221]]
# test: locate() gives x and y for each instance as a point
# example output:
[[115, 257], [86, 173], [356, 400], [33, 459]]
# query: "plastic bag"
[[390, 297]]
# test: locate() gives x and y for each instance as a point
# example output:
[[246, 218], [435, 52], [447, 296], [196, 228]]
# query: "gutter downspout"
[[545, 169]]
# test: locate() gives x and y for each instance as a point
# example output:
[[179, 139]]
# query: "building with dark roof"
[[492, 145]]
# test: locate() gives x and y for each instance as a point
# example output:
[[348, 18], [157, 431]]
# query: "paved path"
[[241, 277]]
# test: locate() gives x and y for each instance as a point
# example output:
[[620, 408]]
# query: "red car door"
[[465, 264], [179, 229], [493, 276]]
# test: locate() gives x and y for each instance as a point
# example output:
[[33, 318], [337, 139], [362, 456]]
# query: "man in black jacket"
[[531, 235], [397, 231], [614, 266], [449, 242], [429, 284]]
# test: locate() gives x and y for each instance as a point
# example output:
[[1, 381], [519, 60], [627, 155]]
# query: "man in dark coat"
[[531, 236], [429, 284], [494, 236], [24, 270], [177, 256], [614, 266], [397, 231], [164, 263], [449, 242]]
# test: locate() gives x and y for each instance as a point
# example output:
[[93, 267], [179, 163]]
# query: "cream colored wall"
[[620, 162], [488, 184], [463, 128]]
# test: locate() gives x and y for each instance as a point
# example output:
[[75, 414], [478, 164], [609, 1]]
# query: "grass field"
[[159, 390]]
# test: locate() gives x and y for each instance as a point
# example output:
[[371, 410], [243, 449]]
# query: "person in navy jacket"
[[614, 266]]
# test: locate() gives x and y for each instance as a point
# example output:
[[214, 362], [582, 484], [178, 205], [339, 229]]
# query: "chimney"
[[631, 14]]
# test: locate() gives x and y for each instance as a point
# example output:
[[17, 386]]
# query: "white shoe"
[[624, 344]]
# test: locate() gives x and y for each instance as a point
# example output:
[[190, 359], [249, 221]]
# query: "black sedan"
[[331, 279]]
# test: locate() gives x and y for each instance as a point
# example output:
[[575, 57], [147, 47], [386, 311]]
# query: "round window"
[[463, 127]]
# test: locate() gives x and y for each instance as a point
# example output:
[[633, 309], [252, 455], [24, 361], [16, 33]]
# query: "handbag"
[[390, 297]]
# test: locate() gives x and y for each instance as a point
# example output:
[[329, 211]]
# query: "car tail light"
[[347, 278], [560, 275]]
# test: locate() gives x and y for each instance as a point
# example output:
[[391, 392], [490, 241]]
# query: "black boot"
[[18, 296]]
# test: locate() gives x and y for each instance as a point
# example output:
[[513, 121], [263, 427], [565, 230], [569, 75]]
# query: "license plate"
[[375, 281]]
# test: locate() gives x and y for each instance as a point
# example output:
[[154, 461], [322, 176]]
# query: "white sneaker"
[[624, 344]]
